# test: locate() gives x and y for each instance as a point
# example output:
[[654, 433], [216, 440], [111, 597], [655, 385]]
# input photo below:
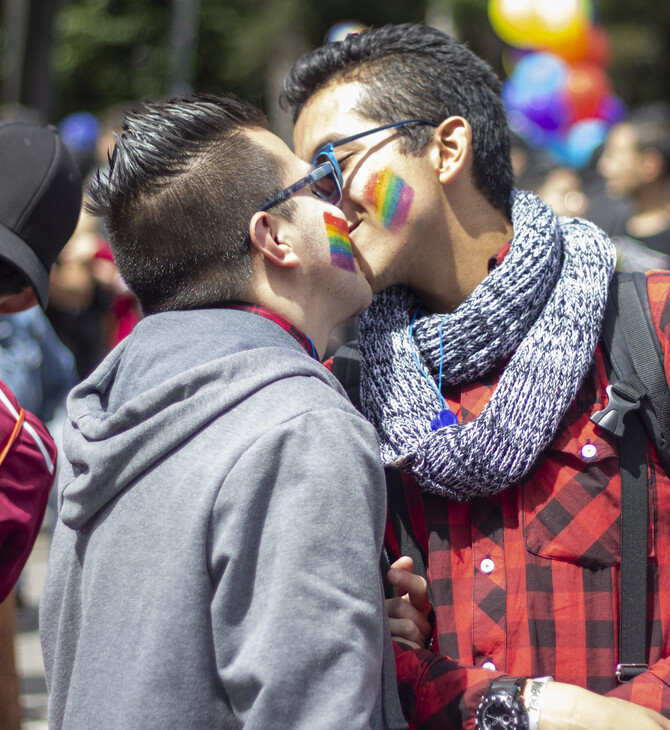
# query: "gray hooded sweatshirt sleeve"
[[215, 561]]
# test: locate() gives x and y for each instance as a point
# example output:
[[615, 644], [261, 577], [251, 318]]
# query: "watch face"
[[500, 712]]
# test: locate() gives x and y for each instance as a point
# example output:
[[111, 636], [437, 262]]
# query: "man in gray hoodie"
[[210, 460]]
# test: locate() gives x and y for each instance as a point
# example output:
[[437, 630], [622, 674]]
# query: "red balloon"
[[590, 45], [585, 86], [598, 48]]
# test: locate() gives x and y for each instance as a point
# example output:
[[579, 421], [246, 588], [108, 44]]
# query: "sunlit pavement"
[[28, 652]]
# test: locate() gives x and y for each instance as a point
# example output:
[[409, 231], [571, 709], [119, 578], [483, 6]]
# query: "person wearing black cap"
[[40, 200]]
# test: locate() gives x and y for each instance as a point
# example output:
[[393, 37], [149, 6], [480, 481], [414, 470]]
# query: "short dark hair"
[[651, 124], [183, 183], [415, 71]]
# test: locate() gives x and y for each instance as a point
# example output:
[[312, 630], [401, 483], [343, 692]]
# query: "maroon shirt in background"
[[26, 475]]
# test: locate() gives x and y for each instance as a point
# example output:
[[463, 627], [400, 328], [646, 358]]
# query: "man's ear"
[[13, 303], [454, 141], [267, 234]]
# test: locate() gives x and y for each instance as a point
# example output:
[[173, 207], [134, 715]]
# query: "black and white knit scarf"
[[542, 308]]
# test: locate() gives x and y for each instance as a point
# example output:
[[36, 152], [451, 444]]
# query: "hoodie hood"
[[175, 373]]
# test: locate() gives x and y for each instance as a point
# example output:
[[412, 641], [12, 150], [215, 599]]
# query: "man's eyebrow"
[[330, 139]]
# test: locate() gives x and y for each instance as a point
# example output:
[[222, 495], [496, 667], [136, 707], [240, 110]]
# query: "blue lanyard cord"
[[416, 359], [314, 355], [439, 385]]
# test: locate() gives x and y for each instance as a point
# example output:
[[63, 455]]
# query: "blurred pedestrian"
[[40, 200], [635, 164]]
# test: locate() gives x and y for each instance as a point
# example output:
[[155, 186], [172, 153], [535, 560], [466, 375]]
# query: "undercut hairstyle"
[[184, 181], [414, 71]]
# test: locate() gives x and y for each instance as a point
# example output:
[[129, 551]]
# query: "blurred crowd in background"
[[575, 143], [43, 355]]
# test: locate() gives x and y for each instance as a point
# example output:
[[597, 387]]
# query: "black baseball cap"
[[40, 200]]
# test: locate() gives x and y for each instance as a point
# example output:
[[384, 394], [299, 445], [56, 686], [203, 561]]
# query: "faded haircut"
[[413, 71], [183, 183]]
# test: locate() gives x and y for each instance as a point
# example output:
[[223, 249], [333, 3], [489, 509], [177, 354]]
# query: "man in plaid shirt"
[[480, 366]]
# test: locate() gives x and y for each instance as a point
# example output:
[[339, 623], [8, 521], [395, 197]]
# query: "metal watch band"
[[502, 699], [533, 700]]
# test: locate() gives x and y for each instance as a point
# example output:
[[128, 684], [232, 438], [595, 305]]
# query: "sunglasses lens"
[[328, 187]]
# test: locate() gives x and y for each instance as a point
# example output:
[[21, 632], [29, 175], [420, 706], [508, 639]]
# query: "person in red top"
[[40, 200], [480, 366]]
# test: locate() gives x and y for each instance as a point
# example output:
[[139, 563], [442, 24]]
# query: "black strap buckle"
[[626, 672], [611, 417]]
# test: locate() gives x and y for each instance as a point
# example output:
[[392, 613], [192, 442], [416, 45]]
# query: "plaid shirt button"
[[550, 606], [589, 451], [487, 566]]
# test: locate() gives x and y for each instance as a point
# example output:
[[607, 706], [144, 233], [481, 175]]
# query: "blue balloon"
[[539, 73], [557, 147], [528, 130], [79, 130], [534, 89], [582, 139], [611, 109], [549, 111]]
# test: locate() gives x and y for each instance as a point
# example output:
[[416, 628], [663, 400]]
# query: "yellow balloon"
[[511, 20], [559, 23], [546, 24]]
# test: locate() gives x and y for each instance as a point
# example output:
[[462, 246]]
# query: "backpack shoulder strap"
[[346, 367], [636, 356], [637, 383]]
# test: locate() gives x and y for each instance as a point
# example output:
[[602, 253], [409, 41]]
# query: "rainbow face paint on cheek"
[[337, 230], [391, 197]]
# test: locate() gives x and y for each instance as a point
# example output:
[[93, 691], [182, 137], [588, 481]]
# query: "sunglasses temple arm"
[[354, 137], [316, 174]]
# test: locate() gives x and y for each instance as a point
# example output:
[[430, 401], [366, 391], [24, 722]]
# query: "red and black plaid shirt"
[[297, 334], [527, 583]]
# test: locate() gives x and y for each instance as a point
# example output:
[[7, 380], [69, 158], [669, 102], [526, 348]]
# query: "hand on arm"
[[568, 707], [410, 613]]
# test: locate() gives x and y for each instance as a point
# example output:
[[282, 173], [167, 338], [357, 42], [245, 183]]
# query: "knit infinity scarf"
[[543, 305]]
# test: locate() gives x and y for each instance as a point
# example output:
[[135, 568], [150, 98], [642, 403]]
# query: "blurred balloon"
[[598, 49], [511, 57], [79, 130], [344, 28], [529, 131], [585, 86], [540, 72], [534, 91], [558, 96], [512, 20], [611, 109], [539, 23], [582, 140], [549, 111]]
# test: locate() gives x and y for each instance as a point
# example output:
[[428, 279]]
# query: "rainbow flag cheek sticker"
[[391, 197], [337, 230]]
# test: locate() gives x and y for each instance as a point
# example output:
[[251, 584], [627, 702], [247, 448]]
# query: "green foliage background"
[[105, 52]]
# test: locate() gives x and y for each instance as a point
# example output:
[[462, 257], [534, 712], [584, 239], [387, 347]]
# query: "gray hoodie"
[[215, 561]]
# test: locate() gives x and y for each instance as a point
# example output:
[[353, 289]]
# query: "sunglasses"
[[326, 175]]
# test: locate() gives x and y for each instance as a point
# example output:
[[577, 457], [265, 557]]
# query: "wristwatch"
[[502, 708]]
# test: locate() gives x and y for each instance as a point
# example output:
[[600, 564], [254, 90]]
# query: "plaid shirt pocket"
[[572, 503]]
